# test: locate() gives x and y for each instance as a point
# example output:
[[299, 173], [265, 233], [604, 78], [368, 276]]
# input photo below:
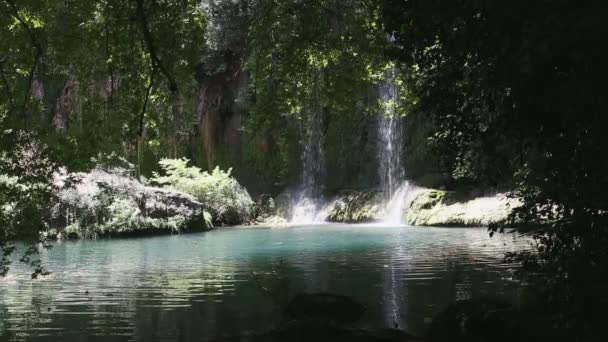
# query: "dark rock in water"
[[484, 319], [313, 331], [324, 307], [494, 320], [356, 206], [307, 330]]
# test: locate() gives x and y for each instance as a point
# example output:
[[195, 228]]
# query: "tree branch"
[[9, 92], [142, 115], [149, 40], [37, 55], [327, 9]]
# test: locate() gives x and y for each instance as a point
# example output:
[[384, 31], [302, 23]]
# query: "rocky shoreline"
[[109, 203], [424, 207]]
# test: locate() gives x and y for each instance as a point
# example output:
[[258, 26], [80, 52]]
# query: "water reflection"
[[197, 286]]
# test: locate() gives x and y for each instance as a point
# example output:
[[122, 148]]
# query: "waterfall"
[[308, 199], [391, 173]]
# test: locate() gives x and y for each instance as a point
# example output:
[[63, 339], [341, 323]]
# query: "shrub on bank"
[[221, 194]]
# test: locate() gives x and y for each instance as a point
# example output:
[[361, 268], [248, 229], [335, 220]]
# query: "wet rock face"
[[104, 202], [429, 207], [283, 204], [266, 209], [356, 206], [265, 206], [440, 208]]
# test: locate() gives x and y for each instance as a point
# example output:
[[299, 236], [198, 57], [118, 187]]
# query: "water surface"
[[199, 286]]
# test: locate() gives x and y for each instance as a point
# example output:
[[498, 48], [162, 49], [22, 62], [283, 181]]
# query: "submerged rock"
[[482, 319], [110, 202], [272, 221], [306, 331], [324, 307]]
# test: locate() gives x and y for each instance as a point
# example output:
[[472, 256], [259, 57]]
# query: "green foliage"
[[25, 191], [517, 98], [225, 198], [93, 94]]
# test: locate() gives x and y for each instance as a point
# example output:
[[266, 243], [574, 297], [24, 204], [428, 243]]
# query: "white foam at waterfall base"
[[397, 205], [307, 211]]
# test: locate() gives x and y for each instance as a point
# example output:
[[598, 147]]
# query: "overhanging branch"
[[149, 41], [37, 56]]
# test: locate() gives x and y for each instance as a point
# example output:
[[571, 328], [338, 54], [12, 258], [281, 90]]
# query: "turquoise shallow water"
[[199, 286]]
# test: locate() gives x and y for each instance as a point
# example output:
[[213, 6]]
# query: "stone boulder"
[[111, 202], [355, 206], [440, 208]]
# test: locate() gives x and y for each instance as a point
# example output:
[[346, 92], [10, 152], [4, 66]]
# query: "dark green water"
[[198, 286]]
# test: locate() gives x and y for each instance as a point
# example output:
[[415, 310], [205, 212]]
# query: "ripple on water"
[[199, 285]]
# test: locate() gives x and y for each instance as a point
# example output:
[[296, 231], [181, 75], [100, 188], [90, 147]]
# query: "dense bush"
[[25, 191], [220, 193], [516, 90]]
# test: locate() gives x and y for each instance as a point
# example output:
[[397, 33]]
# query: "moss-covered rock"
[[355, 206], [440, 208]]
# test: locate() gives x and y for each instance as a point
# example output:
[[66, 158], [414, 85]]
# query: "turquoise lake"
[[201, 286]]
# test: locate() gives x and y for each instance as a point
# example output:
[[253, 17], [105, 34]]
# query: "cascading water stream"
[[392, 176], [308, 202]]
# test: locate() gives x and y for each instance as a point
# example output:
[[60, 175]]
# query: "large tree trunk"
[[64, 105], [219, 116]]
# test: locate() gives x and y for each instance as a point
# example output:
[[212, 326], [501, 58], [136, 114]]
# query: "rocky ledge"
[[355, 206], [428, 207], [440, 208]]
